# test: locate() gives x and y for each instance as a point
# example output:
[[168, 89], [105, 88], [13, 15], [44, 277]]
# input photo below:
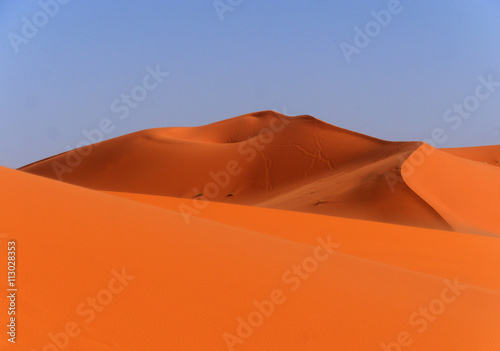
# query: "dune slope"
[[440, 253], [464, 192]]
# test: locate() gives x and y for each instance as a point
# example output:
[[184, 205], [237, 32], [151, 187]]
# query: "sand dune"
[[260, 232], [465, 193], [186, 286], [486, 154], [262, 159], [435, 252]]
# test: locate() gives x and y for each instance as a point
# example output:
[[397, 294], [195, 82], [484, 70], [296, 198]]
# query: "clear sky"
[[63, 67]]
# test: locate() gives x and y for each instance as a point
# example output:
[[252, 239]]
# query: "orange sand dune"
[[465, 193], [486, 154], [262, 159], [440, 253], [99, 272]]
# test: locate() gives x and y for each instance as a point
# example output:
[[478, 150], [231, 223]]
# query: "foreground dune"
[[100, 272], [440, 253]]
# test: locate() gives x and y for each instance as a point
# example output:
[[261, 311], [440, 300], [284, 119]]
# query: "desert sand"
[[260, 232]]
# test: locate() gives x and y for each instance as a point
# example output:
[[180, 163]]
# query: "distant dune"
[[260, 232], [291, 163], [485, 154]]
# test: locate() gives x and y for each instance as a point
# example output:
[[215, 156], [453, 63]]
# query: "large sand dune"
[[264, 159], [297, 163]]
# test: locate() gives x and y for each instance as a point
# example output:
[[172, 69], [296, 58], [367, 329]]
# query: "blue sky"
[[257, 55]]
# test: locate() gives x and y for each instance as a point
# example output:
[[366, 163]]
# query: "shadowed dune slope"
[[183, 287], [262, 159]]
